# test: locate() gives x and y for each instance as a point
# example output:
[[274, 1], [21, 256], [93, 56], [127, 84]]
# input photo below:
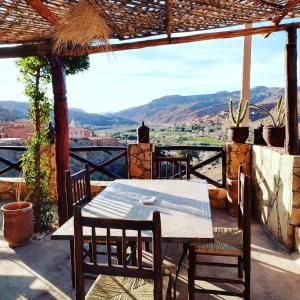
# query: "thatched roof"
[[22, 21]]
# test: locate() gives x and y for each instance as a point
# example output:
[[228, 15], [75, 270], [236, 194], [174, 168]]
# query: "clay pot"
[[17, 223], [232, 195], [274, 136], [238, 134]]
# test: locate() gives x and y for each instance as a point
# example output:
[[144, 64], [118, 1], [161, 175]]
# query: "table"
[[183, 204]]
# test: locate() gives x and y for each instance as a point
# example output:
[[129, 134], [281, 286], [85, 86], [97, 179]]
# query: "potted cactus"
[[237, 133], [273, 129]]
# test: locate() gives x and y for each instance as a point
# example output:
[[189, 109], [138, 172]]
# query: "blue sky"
[[135, 77]]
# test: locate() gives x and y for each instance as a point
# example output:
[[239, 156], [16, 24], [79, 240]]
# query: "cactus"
[[279, 121], [238, 116]]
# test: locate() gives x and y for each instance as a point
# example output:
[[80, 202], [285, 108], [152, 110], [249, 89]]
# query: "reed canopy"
[[64, 24]]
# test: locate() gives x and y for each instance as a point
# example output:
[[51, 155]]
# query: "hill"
[[180, 109], [11, 110]]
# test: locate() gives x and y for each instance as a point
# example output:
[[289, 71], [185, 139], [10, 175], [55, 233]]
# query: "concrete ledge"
[[98, 186]]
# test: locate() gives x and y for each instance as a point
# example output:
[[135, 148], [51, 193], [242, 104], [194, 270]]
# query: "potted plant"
[[237, 133], [274, 129]]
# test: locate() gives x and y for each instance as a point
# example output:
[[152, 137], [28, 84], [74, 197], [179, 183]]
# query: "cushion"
[[124, 288], [227, 242]]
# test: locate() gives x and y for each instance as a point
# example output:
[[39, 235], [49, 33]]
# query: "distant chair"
[[228, 242], [119, 280], [171, 167]]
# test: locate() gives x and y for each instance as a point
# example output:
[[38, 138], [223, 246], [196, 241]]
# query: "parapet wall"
[[276, 192]]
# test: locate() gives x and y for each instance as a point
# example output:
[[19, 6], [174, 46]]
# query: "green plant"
[[238, 116], [36, 76], [276, 121]]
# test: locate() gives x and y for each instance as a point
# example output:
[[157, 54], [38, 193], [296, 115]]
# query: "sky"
[[135, 77]]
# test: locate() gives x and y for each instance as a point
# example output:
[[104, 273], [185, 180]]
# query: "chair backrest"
[[244, 210], [153, 272], [172, 167], [78, 188]]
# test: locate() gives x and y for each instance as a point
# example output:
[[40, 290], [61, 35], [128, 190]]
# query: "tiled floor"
[[40, 270]]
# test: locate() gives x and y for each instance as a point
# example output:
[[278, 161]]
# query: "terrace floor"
[[40, 270]]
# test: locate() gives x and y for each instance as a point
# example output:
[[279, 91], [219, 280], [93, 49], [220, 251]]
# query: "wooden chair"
[[120, 280], [78, 189], [229, 242], [172, 167], [78, 192]]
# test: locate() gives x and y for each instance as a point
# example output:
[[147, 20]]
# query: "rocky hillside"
[[180, 109], [11, 110]]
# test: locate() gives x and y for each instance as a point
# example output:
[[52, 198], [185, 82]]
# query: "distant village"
[[23, 129]]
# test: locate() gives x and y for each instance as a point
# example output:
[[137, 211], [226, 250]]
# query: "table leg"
[[184, 253]]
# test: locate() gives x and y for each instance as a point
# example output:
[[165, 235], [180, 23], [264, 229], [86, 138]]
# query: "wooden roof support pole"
[[169, 17], [291, 96], [61, 131], [245, 93]]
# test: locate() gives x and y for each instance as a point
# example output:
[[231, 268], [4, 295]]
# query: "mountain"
[[11, 110], [180, 109]]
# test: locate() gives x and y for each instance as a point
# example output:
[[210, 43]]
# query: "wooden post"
[[62, 133], [291, 93], [245, 93]]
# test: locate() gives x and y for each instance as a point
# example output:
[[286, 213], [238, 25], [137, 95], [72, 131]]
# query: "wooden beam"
[[61, 133], [245, 93], [169, 17], [291, 94], [43, 49], [43, 10], [289, 6]]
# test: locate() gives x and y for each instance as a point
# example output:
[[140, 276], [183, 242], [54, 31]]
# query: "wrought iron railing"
[[113, 164]]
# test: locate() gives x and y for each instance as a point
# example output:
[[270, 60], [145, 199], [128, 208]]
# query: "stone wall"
[[140, 160], [276, 192], [238, 154]]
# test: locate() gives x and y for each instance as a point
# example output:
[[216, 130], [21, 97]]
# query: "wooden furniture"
[[78, 189], [120, 280], [172, 167], [229, 242], [78, 192]]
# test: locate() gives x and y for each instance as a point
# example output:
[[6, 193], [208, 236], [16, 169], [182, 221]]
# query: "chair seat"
[[227, 242], [125, 288]]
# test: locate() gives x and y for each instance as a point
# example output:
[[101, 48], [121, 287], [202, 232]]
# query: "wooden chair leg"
[[119, 253], [240, 267], [147, 247], [191, 272], [72, 263], [247, 269], [133, 253]]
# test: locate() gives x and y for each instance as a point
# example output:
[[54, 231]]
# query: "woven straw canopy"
[[22, 21]]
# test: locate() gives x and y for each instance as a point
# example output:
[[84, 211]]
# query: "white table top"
[[184, 208]]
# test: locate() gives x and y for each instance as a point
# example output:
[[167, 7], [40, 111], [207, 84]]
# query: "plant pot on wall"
[[17, 223], [274, 136], [238, 134]]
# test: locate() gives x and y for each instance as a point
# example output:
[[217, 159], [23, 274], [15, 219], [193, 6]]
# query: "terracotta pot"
[[274, 136], [17, 223], [238, 134], [232, 195]]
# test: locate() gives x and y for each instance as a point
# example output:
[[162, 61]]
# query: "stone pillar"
[[140, 160], [238, 154]]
